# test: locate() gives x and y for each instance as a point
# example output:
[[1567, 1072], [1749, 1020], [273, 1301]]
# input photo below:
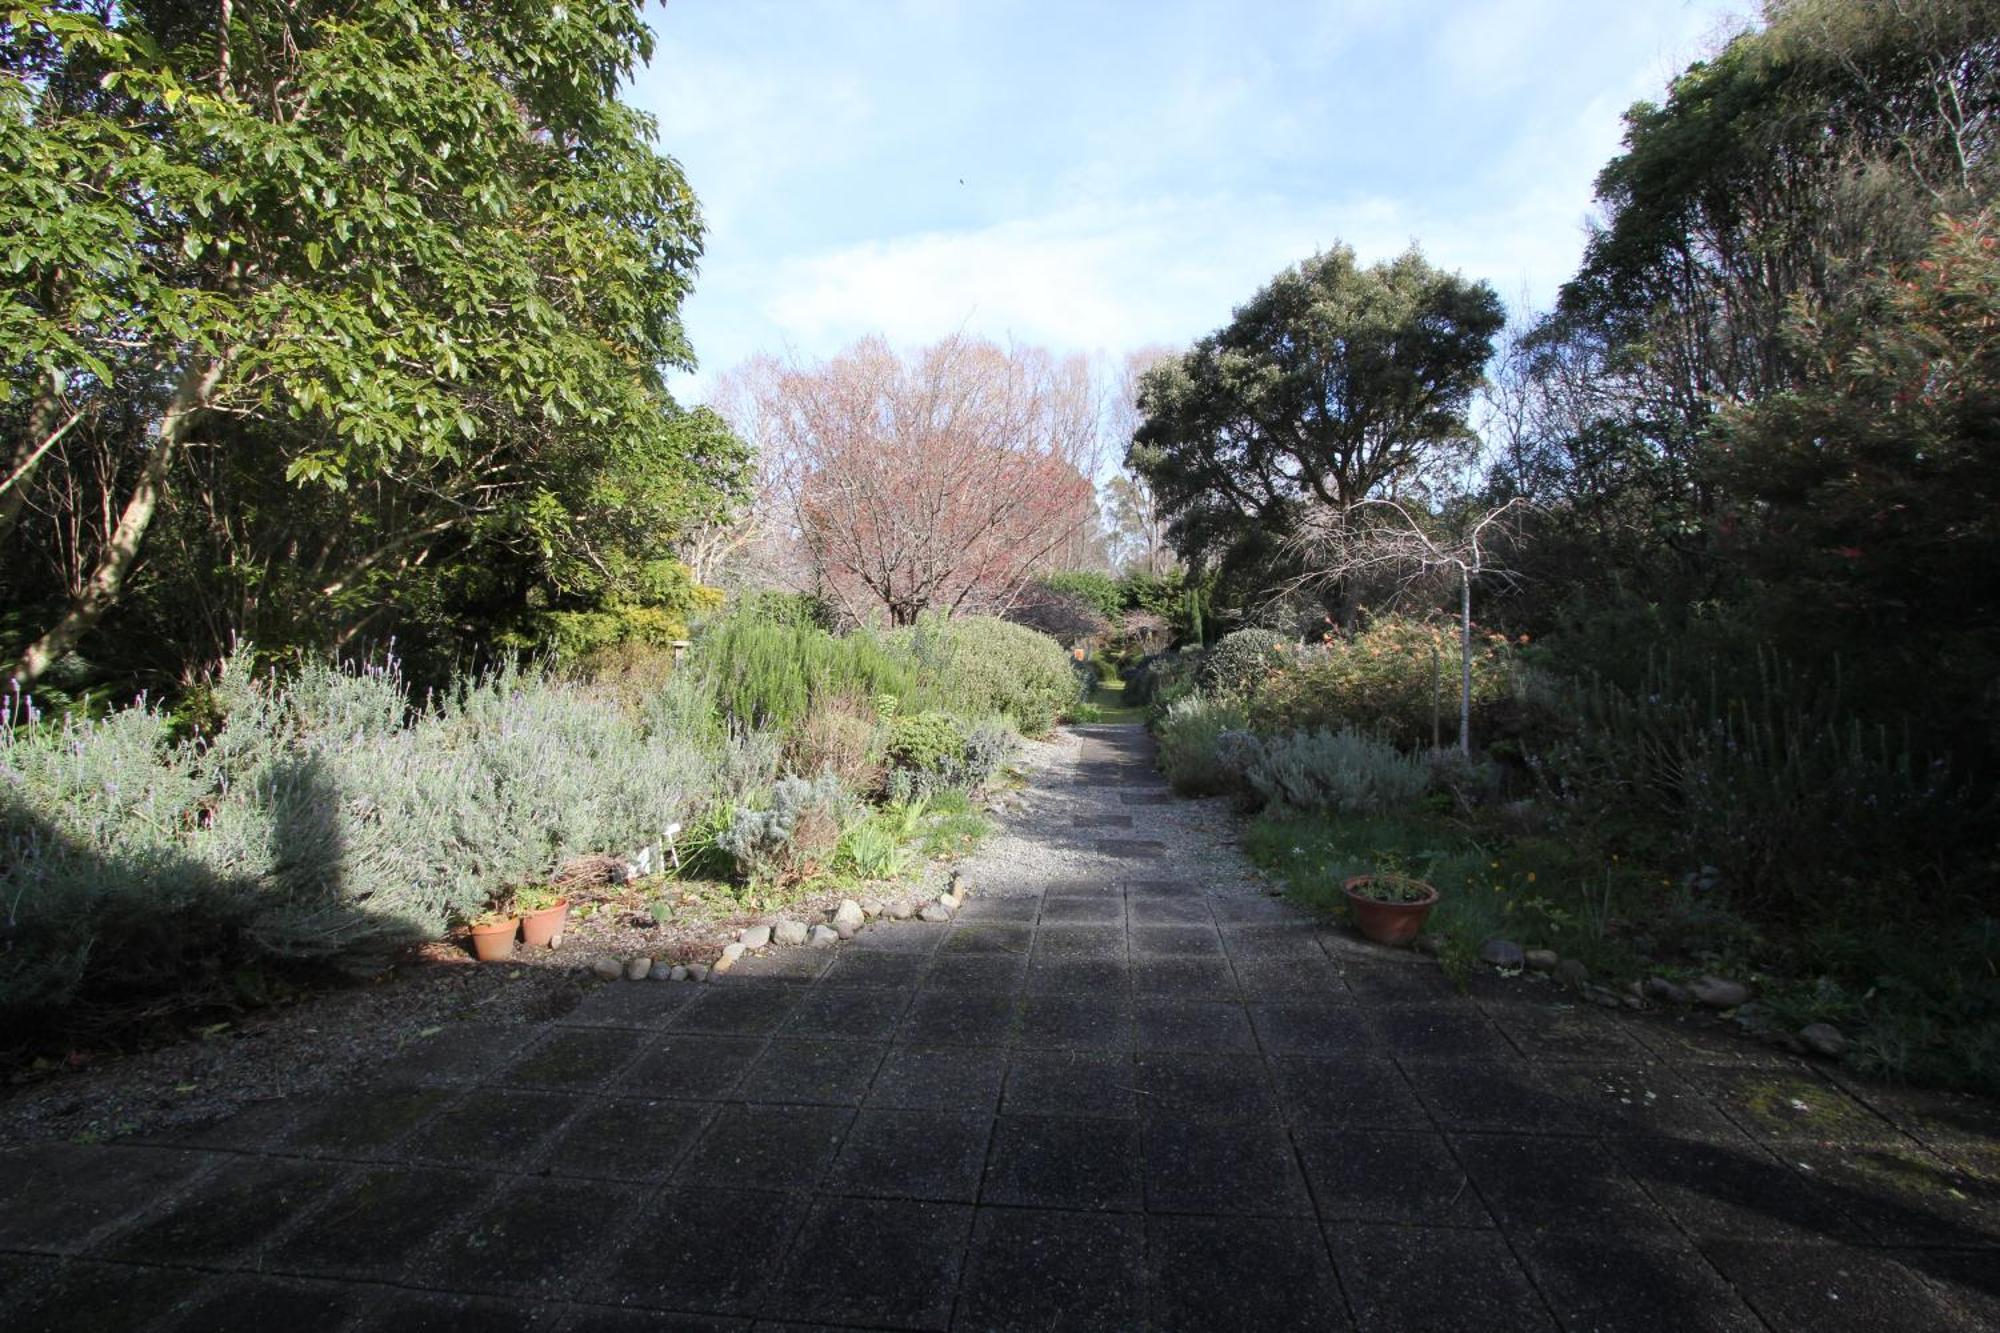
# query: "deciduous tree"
[[943, 480]]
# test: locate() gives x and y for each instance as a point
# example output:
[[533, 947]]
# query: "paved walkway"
[[1117, 1102]]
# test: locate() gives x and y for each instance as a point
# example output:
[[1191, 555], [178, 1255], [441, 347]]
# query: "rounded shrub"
[[926, 742], [1239, 661], [979, 665]]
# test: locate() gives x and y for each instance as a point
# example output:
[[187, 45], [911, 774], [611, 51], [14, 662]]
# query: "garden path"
[[1125, 1089]]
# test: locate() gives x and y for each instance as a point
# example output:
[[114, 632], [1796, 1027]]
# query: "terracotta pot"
[[541, 930], [494, 942], [1388, 923]]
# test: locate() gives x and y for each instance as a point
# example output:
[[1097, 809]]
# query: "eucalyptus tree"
[[380, 245]]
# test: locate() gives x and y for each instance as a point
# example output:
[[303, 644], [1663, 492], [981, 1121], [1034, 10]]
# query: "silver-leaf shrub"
[[1341, 772]]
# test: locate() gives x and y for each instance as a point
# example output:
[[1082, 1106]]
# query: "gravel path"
[[1123, 1089]]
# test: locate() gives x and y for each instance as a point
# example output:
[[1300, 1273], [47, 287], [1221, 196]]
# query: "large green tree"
[[1336, 383], [414, 258]]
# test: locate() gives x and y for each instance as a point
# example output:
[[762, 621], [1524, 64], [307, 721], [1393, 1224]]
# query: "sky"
[[1102, 175]]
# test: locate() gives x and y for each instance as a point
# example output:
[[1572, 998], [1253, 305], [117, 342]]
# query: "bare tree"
[[1384, 536], [754, 543], [944, 480], [1138, 527]]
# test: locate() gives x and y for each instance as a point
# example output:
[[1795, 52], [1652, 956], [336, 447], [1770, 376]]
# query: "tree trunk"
[[1465, 654], [43, 432], [190, 397]]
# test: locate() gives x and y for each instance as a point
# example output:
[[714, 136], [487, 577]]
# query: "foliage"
[[873, 849], [1067, 618], [1342, 772], [1190, 732], [765, 674], [410, 274], [1330, 383], [1159, 679], [1241, 660], [794, 609], [925, 741], [1871, 488], [332, 817], [1392, 678], [1102, 593], [980, 665], [793, 837], [536, 897], [1808, 812], [839, 736]]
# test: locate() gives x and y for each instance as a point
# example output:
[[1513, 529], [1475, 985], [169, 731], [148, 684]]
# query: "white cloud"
[[1142, 207]]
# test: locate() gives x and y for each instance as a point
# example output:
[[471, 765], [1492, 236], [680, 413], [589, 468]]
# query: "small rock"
[[697, 971], [871, 907], [680, 973], [935, 912], [662, 972], [900, 912], [1633, 1002], [1719, 992], [608, 968], [1541, 960], [754, 937], [1603, 998], [1823, 1039], [1666, 992], [789, 932], [1572, 972], [848, 914], [638, 968], [1502, 953], [820, 937]]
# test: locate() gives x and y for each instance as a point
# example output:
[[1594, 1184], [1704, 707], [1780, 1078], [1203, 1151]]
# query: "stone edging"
[[848, 917]]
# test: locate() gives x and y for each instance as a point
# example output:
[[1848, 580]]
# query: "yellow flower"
[[1531, 877]]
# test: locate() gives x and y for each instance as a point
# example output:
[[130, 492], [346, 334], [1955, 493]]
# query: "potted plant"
[[543, 910], [493, 936], [1390, 908]]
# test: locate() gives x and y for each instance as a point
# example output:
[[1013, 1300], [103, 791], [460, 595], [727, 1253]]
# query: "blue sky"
[[1099, 175]]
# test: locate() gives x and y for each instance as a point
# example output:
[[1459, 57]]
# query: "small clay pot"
[[494, 941], [1388, 923], [541, 930]]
